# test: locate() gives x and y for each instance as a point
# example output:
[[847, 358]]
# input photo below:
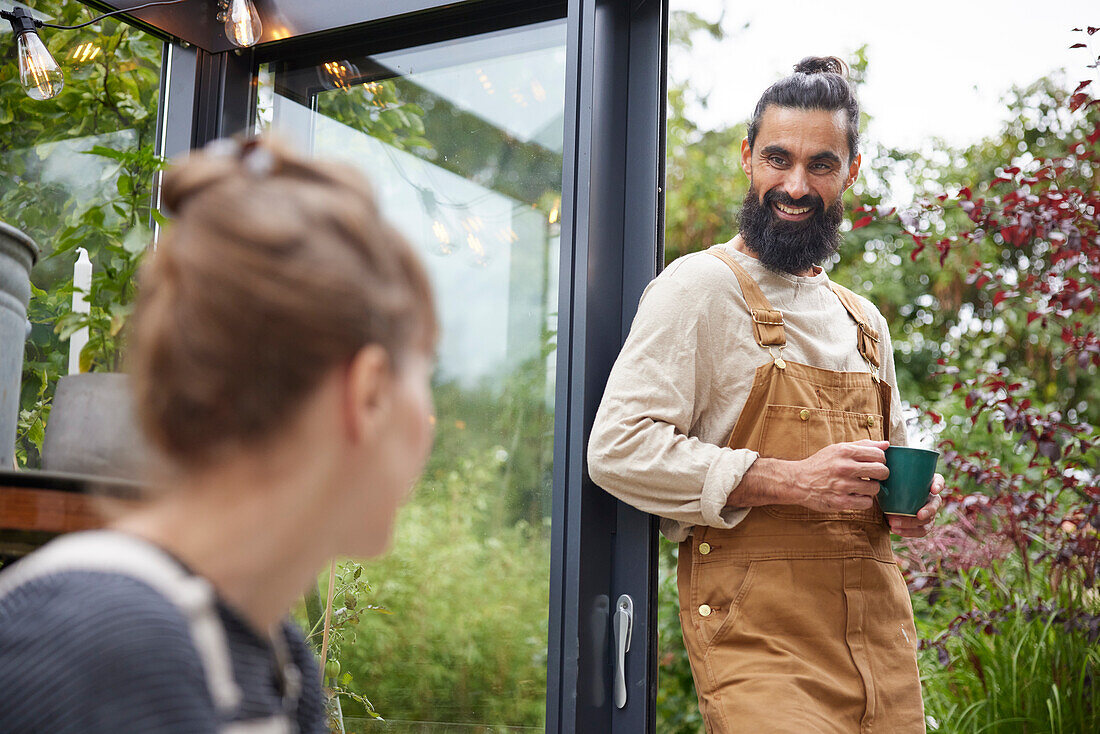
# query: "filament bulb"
[[242, 23], [39, 74]]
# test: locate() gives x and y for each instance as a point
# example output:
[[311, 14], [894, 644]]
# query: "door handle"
[[624, 629]]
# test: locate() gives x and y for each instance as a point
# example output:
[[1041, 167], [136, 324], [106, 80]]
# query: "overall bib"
[[797, 620]]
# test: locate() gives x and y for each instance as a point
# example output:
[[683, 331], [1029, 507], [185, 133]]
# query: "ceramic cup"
[[911, 473]]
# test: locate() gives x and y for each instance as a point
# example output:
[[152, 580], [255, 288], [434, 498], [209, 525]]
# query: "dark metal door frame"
[[611, 247]]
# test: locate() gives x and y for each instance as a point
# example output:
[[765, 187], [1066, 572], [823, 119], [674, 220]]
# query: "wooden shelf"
[[47, 510], [38, 506]]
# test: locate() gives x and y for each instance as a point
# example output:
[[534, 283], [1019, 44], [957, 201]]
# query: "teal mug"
[[909, 485]]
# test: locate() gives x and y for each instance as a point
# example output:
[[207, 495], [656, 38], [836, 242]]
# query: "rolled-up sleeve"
[[897, 434], [641, 449]]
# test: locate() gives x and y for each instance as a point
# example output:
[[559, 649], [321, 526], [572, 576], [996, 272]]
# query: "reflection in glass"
[[77, 170], [463, 143]]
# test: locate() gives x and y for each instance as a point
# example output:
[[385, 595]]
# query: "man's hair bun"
[[818, 83], [821, 65]]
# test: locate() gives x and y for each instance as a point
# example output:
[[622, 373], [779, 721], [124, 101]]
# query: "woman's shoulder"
[[99, 606], [96, 651]]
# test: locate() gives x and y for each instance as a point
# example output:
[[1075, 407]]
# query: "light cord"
[[40, 24]]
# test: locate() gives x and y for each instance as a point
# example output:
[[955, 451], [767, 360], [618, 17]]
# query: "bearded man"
[[750, 408]]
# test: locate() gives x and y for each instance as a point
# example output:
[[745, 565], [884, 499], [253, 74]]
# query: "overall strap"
[[767, 323], [868, 336], [111, 552]]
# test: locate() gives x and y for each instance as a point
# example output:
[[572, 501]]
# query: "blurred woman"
[[281, 352]]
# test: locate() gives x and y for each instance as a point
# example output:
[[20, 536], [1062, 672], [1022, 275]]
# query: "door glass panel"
[[77, 171], [462, 141]]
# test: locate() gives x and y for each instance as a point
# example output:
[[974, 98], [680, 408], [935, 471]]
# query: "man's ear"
[[367, 391], [746, 158], [853, 170]]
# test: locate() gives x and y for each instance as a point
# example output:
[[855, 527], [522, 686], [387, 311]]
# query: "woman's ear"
[[366, 394]]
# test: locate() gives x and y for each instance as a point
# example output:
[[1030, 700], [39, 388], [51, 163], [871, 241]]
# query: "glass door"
[[463, 142]]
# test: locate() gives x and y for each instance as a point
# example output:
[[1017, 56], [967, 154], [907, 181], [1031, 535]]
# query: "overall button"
[[870, 421], [804, 415], [704, 610], [704, 548]]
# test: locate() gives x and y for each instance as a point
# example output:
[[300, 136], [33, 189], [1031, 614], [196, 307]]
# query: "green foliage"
[[465, 590], [466, 641], [677, 704], [377, 109], [704, 183], [1013, 662], [79, 173], [350, 595]]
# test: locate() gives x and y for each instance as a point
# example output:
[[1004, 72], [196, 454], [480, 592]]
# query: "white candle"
[[82, 287]]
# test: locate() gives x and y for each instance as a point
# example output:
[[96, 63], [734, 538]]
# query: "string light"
[[39, 74], [242, 22]]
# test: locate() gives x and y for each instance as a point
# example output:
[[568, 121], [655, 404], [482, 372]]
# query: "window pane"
[[463, 143], [77, 171]]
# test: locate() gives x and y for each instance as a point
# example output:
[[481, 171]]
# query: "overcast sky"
[[937, 67]]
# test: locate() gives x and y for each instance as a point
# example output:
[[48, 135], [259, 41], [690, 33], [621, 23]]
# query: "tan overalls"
[[796, 620]]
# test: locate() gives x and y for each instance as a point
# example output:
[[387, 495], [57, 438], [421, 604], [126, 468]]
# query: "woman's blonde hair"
[[273, 271]]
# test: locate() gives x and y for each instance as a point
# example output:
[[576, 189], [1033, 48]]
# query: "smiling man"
[[750, 408]]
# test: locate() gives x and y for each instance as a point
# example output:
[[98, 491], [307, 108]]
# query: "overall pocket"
[[786, 431], [717, 591], [795, 432]]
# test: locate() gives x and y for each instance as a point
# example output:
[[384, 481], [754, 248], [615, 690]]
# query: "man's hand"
[[919, 526], [843, 476]]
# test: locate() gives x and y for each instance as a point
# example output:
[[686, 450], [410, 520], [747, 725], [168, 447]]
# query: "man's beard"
[[785, 246]]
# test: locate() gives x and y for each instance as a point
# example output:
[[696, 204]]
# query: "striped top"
[[97, 652]]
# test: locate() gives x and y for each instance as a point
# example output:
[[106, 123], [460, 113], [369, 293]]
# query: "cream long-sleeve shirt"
[[684, 374]]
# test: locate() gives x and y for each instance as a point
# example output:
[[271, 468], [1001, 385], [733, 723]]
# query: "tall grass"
[[1008, 661]]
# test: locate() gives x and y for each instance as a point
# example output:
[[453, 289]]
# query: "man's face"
[[798, 169]]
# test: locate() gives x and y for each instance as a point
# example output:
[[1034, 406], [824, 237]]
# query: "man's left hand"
[[919, 526]]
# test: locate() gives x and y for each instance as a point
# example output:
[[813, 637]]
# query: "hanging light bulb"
[[39, 74], [242, 22]]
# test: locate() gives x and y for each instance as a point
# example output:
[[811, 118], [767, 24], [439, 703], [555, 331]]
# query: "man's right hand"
[[843, 476]]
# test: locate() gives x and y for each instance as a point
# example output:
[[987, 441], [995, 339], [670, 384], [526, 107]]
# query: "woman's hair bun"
[[223, 162], [821, 65], [273, 271], [182, 183]]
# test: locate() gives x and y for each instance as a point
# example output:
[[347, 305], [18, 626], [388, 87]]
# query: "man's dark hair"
[[818, 83]]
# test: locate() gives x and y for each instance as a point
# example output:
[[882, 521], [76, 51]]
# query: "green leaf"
[[392, 118], [88, 358], [36, 434], [105, 152], [137, 240], [109, 171]]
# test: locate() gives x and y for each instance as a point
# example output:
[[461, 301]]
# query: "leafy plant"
[[350, 589], [1011, 663], [1018, 563], [79, 172], [467, 638]]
